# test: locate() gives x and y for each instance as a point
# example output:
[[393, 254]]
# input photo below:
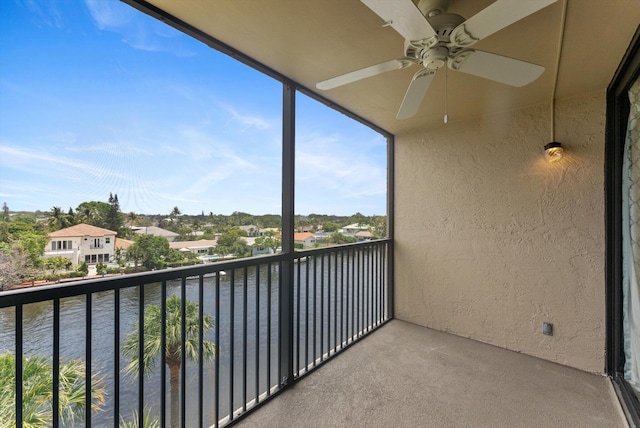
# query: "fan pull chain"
[[446, 84]]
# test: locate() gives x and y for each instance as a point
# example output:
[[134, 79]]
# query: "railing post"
[[285, 297]]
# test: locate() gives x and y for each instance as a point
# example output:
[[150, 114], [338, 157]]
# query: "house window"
[[61, 245], [107, 240], [96, 243]]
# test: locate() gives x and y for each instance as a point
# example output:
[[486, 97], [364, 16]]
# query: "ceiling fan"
[[434, 38]]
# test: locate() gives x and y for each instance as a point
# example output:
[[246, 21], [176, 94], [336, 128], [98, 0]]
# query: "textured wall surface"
[[491, 240]]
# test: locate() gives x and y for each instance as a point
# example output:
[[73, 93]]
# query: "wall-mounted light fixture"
[[553, 151]]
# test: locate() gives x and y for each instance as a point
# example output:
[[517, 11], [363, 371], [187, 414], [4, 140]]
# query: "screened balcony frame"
[[617, 115], [286, 260]]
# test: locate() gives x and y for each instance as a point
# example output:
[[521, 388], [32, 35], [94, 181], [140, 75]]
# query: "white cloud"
[[138, 31], [172, 150], [42, 163], [247, 120], [48, 12], [331, 163], [116, 148], [211, 161], [109, 14]]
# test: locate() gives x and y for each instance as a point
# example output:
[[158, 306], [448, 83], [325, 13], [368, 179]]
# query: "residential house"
[[306, 239], [200, 247], [322, 236], [364, 235], [353, 229], [157, 231], [121, 247], [251, 229], [257, 250], [123, 244], [82, 242]]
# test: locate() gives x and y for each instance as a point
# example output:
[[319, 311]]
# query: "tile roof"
[[302, 236], [81, 230], [156, 231], [122, 243]]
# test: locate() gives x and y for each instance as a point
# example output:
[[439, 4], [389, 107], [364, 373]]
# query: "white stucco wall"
[[491, 240]]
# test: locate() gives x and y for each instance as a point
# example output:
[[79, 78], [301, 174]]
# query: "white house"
[[305, 238], [257, 250], [82, 242], [251, 229], [200, 247], [354, 228], [156, 231]]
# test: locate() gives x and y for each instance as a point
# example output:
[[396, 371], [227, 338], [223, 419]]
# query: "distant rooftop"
[[156, 231]]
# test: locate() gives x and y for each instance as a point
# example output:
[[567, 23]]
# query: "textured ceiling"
[[313, 40]]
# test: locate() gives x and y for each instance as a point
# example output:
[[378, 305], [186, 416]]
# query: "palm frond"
[[37, 386]]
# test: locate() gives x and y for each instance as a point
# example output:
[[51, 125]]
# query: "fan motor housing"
[[434, 58]]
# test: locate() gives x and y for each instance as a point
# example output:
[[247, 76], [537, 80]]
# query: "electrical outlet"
[[547, 328]]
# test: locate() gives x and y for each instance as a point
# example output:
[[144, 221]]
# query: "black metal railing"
[[340, 295], [208, 339]]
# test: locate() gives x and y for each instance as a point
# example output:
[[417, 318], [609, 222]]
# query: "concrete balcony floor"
[[404, 375]]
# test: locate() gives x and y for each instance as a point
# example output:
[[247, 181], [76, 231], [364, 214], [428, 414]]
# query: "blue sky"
[[96, 97]]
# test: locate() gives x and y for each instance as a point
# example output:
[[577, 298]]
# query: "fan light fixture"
[[553, 151]]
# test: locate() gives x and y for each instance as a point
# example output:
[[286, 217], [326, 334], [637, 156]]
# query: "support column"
[[286, 273]]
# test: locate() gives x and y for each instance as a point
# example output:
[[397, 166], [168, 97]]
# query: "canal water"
[[332, 300]]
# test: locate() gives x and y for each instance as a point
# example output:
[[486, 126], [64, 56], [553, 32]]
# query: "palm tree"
[[173, 343], [132, 217], [58, 219], [37, 392], [149, 420], [91, 213]]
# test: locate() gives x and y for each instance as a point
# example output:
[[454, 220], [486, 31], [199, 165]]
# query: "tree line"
[[23, 237]]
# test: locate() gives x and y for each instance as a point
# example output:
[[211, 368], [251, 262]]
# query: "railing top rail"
[[334, 248], [75, 288], [41, 293]]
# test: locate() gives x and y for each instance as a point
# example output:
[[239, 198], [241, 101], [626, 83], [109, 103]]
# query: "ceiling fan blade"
[[363, 73], [494, 18], [404, 17], [494, 67], [415, 93]]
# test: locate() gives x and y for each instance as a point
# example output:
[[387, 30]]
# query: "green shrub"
[[83, 268], [76, 274]]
